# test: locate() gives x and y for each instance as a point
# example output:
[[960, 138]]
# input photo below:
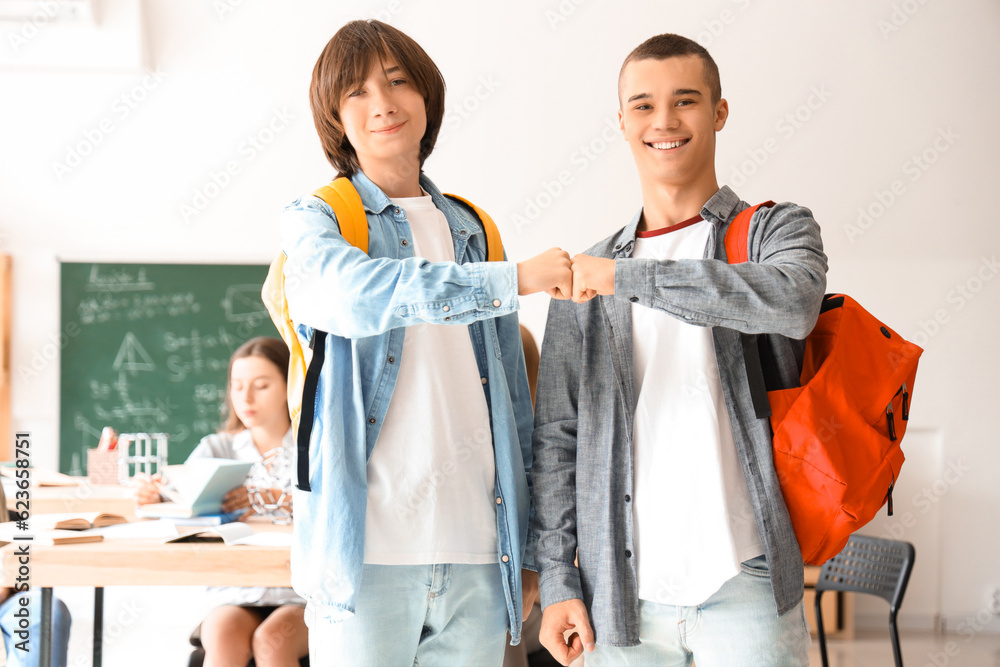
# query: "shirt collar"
[[716, 210], [244, 441], [376, 201]]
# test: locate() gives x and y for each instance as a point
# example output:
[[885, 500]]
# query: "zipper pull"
[[888, 496], [906, 404], [892, 425]]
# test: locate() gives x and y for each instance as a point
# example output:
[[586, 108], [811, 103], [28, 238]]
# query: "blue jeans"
[[10, 624], [736, 627], [420, 615]]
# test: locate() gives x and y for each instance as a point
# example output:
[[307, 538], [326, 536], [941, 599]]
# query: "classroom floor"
[[136, 618]]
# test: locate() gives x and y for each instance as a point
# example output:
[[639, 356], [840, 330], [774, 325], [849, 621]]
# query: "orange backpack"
[[836, 436]]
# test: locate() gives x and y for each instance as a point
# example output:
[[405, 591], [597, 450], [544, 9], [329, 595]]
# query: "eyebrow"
[[677, 93]]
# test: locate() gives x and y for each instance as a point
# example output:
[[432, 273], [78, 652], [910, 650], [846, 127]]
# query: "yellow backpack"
[[345, 201]]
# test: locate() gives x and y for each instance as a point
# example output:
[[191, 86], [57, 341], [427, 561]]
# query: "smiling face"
[[384, 118], [669, 120], [257, 391]]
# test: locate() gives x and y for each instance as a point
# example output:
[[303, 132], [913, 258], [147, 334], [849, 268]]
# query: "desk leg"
[[98, 626], [45, 643]]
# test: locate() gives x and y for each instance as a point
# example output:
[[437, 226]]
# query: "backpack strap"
[[343, 198], [738, 234], [737, 252], [346, 203], [494, 245]]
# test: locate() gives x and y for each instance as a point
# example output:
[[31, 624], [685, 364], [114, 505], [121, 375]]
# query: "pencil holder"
[[102, 466]]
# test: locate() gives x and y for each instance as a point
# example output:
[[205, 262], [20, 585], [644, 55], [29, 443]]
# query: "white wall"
[[531, 85]]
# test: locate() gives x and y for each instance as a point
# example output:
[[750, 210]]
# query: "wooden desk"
[[81, 498], [144, 562]]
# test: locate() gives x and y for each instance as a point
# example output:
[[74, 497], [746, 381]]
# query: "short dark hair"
[[669, 45], [345, 64], [265, 347]]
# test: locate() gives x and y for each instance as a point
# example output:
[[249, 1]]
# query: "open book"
[[197, 488], [8, 531], [237, 533], [75, 521]]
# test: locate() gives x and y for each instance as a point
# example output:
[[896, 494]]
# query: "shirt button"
[[371, 420], [483, 379], [499, 500], [628, 498], [462, 233], [392, 360], [446, 308], [504, 558], [628, 554], [633, 299], [496, 303], [448, 319], [396, 210], [404, 242]]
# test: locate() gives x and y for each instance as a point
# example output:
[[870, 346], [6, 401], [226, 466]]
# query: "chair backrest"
[[870, 565]]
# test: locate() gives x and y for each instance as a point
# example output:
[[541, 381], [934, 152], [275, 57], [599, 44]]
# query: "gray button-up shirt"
[[582, 443]]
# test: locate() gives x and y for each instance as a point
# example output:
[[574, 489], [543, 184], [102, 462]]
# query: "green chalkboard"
[[146, 348]]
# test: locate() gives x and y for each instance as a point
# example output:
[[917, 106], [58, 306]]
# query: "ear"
[[721, 114], [621, 122]]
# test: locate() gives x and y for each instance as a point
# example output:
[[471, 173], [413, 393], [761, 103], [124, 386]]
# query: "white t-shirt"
[[694, 523], [240, 446], [431, 473]]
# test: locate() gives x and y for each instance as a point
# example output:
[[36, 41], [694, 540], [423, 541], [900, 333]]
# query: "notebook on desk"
[[196, 488]]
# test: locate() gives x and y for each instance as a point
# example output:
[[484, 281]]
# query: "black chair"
[[868, 565]]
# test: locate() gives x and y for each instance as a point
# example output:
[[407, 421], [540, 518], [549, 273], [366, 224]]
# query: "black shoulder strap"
[[318, 346]]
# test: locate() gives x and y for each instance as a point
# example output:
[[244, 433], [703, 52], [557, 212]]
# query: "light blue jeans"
[[10, 625], [420, 615], [736, 627]]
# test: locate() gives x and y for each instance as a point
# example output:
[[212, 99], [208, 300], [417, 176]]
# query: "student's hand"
[[550, 272], [592, 276], [237, 499], [557, 619], [529, 592], [147, 489]]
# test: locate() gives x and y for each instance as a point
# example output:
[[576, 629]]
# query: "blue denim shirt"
[[365, 301], [583, 465]]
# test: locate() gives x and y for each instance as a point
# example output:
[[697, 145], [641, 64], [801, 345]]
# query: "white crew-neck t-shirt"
[[694, 523], [431, 474]]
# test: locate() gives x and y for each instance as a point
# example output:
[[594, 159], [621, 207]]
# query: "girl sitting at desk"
[[265, 624]]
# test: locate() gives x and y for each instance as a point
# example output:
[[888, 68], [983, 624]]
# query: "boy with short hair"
[[411, 544], [650, 465]]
